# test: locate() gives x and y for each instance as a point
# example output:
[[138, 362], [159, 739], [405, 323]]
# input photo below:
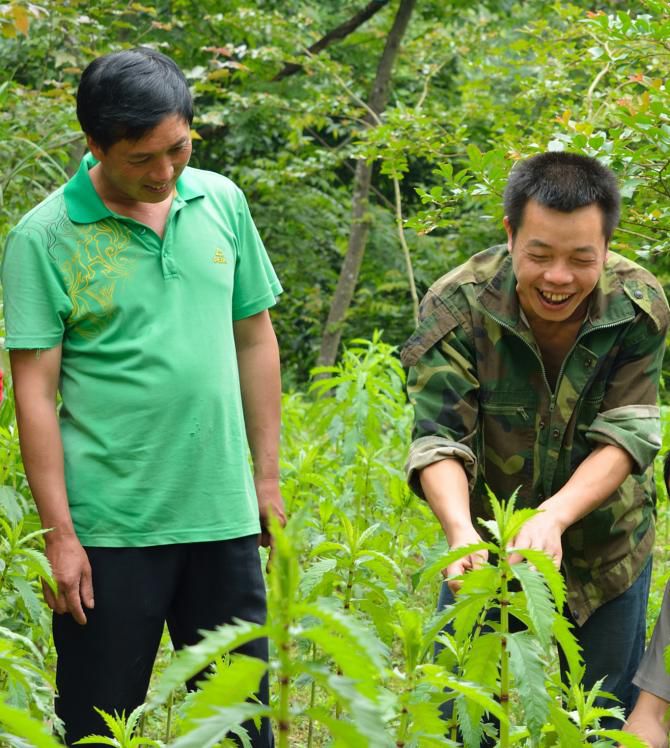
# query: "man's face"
[[144, 170], [557, 259]]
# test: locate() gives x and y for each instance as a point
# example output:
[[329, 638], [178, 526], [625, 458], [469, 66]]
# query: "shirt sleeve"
[[443, 388], [652, 675], [630, 416], [36, 303], [256, 284]]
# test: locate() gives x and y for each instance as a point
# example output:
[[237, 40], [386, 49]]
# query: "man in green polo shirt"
[[139, 291]]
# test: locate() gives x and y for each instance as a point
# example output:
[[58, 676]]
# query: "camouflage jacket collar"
[[612, 301]]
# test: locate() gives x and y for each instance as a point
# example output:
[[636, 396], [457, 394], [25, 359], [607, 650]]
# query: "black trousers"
[[192, 586]]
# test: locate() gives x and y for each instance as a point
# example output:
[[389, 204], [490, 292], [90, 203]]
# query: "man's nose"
[[162, 170], [559, 274]]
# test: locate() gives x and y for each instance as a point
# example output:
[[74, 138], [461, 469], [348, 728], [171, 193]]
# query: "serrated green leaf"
[[312, 576], [343, 645], [428, 573], [562, 631], [28, 596], [538, 601], [366, 716], [21, 724], [211, 731], [481, 666], [529, 678], [38, 564], [552, 576], [515, 522], [567, 732], [233, 682], [437, 676], [189, 661], [623, 739]]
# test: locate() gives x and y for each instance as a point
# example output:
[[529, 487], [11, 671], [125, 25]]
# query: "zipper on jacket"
[[581, 334]]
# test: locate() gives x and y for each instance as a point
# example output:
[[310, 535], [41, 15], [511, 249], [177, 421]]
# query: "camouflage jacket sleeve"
[[630, 417], [443, 388]]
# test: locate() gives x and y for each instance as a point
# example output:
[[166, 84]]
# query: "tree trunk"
[[360, 219]]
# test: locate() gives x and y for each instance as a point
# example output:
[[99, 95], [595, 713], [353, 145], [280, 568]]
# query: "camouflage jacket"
[[481, 394]]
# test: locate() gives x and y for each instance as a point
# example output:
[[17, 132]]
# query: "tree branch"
[[340, 32]]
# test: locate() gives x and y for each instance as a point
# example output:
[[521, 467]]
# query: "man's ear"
[[508, 229], [94, 148]]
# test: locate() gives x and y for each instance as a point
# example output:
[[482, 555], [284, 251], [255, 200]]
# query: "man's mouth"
[[158, 188], [554, 299]]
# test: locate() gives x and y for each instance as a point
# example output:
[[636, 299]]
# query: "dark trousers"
[[612, 642], [192, 586]]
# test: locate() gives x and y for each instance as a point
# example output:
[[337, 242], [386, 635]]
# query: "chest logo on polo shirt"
[[92, 271], [219, 257]]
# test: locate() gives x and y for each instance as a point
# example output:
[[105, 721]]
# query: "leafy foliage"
[[355, 573]]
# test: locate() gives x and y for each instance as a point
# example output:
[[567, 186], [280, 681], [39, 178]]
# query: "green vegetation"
[[354, 582]]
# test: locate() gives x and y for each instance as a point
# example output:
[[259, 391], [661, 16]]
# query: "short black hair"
[[666, 470], [124, 95], [562, 181]]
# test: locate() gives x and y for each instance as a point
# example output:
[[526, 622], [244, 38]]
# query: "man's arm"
[[260, 383], [445, 485], [648, 720], [35, 375], [625, 435], [441, 461], [594, 481]]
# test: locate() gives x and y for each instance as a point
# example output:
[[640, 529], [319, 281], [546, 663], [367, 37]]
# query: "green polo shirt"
[[151, 417]]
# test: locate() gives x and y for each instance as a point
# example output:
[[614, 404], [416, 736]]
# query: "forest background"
[[373, 141]]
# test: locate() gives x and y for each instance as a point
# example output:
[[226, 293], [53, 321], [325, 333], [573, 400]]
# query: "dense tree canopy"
[[474, 87], [288, 106]]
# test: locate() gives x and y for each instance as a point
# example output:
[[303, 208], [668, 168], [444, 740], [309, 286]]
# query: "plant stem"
[[405, 249], [284, 716], [504, 657], [168, 719], [312, 701]]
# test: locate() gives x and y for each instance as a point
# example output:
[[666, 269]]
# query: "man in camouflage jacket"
[[536, 366]]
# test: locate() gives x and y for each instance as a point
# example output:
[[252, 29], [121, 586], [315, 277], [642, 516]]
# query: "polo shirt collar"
[[84, 205]]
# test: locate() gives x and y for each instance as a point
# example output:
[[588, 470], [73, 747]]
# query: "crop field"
[[352, 590]]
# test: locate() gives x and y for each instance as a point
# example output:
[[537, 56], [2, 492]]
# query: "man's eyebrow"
[[539, 244], [176, 144], [587, 248]]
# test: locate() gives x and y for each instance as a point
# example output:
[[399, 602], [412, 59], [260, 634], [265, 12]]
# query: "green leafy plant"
[[122, 730]]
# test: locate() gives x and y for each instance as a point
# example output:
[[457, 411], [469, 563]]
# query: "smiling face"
[[144, 170], [557, 259]]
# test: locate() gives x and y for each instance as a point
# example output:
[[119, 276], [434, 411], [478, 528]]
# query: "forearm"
[[445, 485], [594, 481], [260, 384], [35, 375], [42, 452]]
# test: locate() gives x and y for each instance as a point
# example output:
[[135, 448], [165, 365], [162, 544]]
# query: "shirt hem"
[[652, 686], [248, 310], [166, 538], [19, 343]]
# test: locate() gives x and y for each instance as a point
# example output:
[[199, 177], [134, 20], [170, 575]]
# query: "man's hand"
[[543, 533], [647, 720], [467, 536], [270, 503], [72, 573]]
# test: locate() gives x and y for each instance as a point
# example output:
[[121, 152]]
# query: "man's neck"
[[556, 339], [153, 215]]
